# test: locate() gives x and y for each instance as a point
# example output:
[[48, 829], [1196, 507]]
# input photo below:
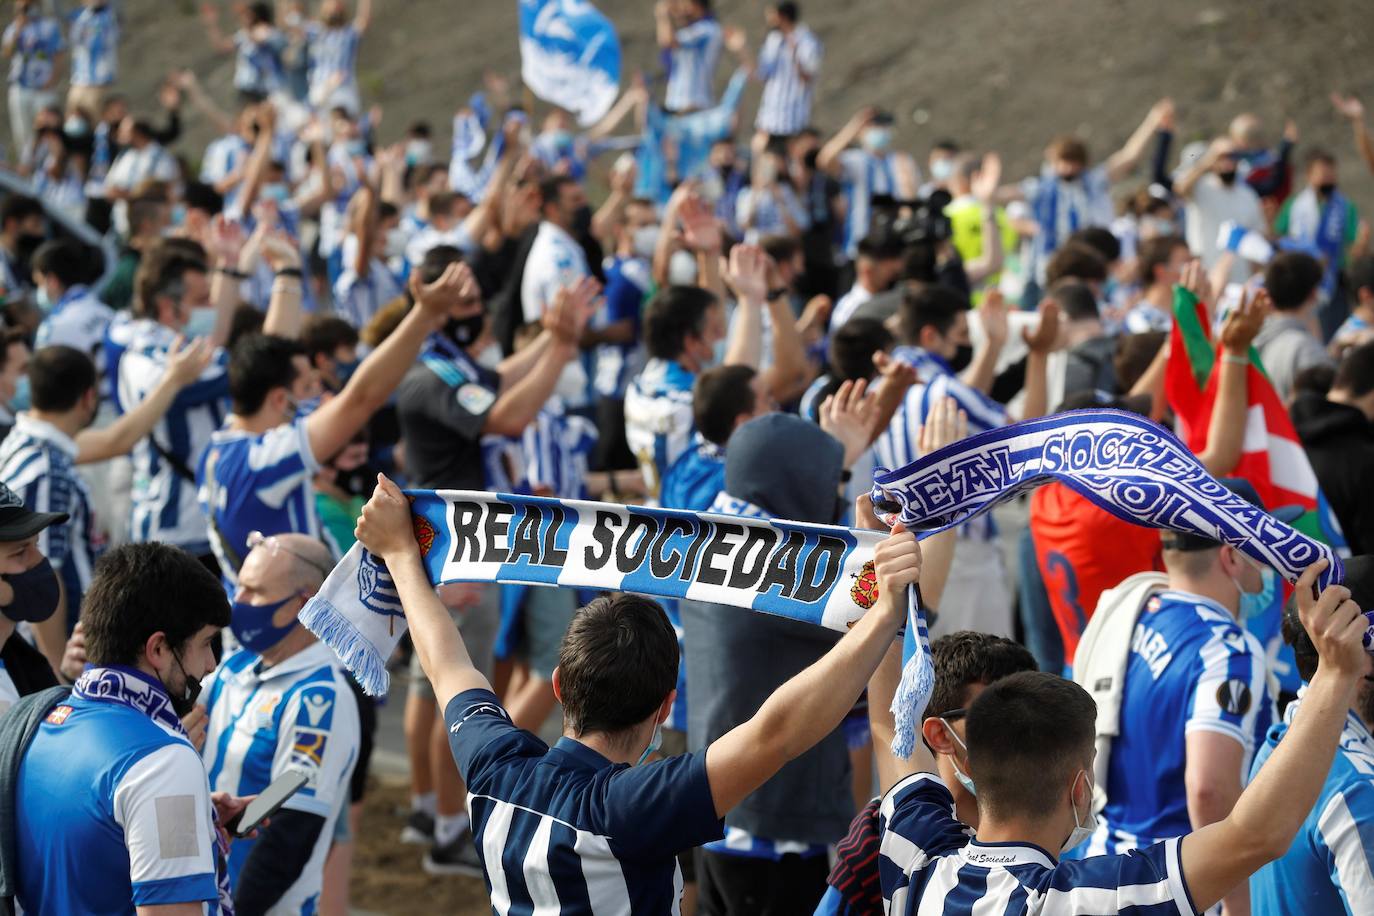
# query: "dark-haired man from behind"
[[1359, 327], [965, 664], [1288, 342], [581, 827], [111, 786], [1337, 430], [1029, 744], [1330, 867], [723, 397]]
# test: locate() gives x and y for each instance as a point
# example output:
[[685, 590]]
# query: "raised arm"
[[184, 365], [992, 314], [828, 159], [1123, 161], [336, 422], [989, 260], [1353, 110], [386, 530], [1226, 431], [255, 169], [812, 704], [749, 279], [225, 246], [1186, 182], [186, 81], [664, 32], [221, 43], [363, 18], [284, 316], [788, 372], [1269, 812], [1040, 343], [701, 232]]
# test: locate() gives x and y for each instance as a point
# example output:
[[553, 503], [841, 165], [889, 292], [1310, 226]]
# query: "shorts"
[[548, 612], [477, 625]]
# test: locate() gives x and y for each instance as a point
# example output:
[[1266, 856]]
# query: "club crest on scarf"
[[864, 591], [376, 591]]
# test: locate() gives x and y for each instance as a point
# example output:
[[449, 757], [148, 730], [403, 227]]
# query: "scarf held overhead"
[[818, 574]]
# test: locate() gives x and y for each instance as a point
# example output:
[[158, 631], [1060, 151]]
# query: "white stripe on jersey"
[[494, 832], [692, 66], [785, 107], [1341, 834], [543, 893]]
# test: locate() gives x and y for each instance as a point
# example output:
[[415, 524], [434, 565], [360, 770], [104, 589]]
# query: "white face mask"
[[965, 780], [645, 240], [1081, 831], [682, 269], [490, 357], [201, 323], [655, 742], [395, 246]]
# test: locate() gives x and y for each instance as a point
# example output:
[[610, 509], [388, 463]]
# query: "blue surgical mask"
[[23, 394], [1255, 604], [201, 323], [1081, 830], [942, 169], [276, 192], [356, 147], [178, 214], [43, 300], [877, 139], [965, 780], [252, 624], [654, 743], [562, 139]]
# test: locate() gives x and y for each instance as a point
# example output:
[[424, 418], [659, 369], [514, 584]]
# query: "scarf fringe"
[[358, 653]]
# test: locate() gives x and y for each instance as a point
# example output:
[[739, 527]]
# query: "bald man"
[[281, 702]]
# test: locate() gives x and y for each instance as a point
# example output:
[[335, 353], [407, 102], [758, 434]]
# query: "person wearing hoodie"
[[1338, 432], [774, 855]]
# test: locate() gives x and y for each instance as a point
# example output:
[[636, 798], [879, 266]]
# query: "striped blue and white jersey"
[[762, 214], [789, 66], [628, 281], [38, 461], [1192, 668], [899, 444], [1060, 208], [564, 831], [658, 419], [692, 66], [257, 483], [300, 715], [1329, 868], [257, 64], [135, 166], [78, 320], [116, 812], [929, 863], [223, 157], [697, 477], [357, 298], [557, 447], [165, 505], [36, 47], [333, 60], [94, 36], [66, 193], [864, 176], [349, 164]]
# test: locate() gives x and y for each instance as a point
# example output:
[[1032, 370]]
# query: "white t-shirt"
[[1213, 203], [555, 261]]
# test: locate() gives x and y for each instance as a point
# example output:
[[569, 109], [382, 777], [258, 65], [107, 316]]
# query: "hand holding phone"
[[267, 803]]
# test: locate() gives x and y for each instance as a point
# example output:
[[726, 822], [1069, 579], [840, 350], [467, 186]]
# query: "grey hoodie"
[[736, 658]]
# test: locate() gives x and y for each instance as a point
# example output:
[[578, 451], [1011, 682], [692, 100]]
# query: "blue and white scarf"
[[137, 691], [570, 56], [1322, 225], [1119, 461]]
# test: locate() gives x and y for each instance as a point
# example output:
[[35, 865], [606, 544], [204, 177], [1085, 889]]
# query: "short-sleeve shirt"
[[116, 814], [555, 261], [442, 405], [1329, 868], [36, 46], [1192, 668], [658, 419], [257, 483], [929, 863], [298, 714], [564, 830]]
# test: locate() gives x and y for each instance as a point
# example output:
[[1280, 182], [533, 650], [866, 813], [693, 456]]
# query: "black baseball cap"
[[18, 522], [1185, 541]]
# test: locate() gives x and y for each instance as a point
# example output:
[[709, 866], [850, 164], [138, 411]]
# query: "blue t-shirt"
[[627, 284], [1191, 668], [116, 813], [1329, 868], [695, 479], [929, 863], [562, 829]]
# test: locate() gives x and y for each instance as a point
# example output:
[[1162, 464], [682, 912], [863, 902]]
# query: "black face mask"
[[809, 159], [183, 704], [463, 331], [27, 244], [1326, 190], [354, 482], [1227, 178], [35, 594], [581, 226], [963, 355]]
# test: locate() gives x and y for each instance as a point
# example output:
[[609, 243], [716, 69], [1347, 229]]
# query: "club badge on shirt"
[[474, 398]]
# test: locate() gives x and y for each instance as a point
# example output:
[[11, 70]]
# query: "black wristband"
[[777, 293], [290, 272], [846, 475], [232, 272]]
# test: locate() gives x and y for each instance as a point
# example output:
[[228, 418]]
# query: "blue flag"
[[570, 56]]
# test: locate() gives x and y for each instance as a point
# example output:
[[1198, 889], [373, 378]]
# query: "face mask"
[[1253, 604], [76, 127], [201, 323], [344, 369], [1158, 226], [357, 147], [395, 245], [178, 216], [1326, 190], [183, 704], [963, 355], [23, 395], [877, 139], [581, 222], [1227, 178], [964, 779], [942, 169], [463, 331], [418, 152], [43, 300], [276, 192], [561, 139], [1080, 832], [1069, 178], [646, 241], [252, 624], [35, 594], [655, 742], [682, 269], [809, 159]]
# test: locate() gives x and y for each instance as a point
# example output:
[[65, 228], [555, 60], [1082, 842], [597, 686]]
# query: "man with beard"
[[1329, 868]]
